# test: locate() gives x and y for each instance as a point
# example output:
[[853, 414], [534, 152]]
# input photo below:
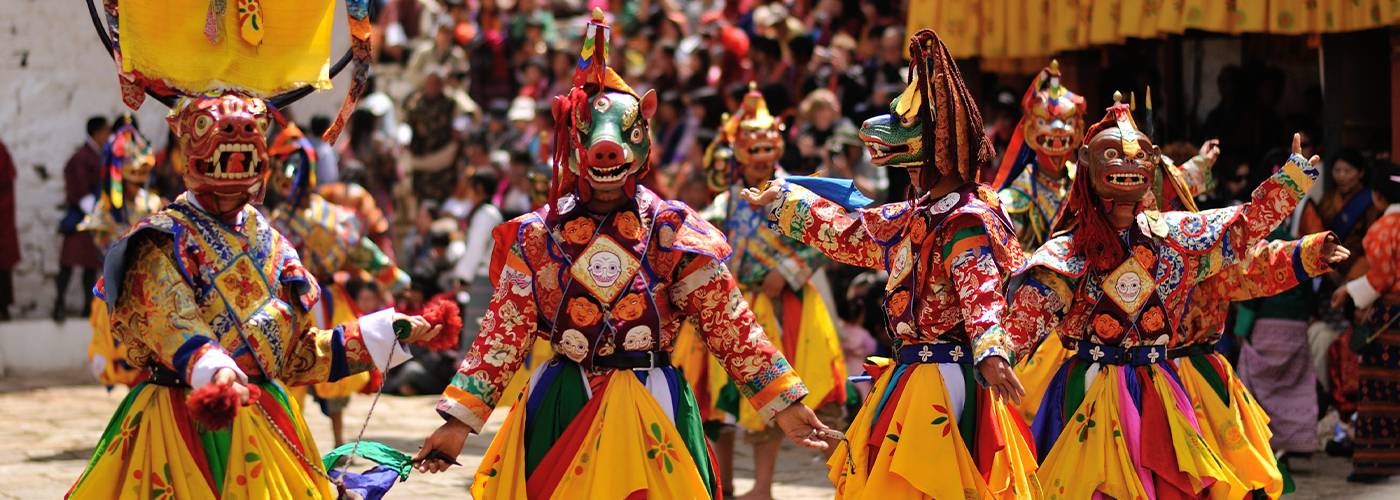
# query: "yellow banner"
[[167, 40], [1027, 28]]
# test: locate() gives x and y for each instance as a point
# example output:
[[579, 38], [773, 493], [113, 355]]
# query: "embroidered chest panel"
[[323, 234], [921, 301], [238, 275]]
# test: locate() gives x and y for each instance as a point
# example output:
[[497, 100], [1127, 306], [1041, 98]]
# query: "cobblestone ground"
[[50, 427]]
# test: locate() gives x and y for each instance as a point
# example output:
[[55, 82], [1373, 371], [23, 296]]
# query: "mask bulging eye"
[[202, 124], [637, 135], [1110, 154]]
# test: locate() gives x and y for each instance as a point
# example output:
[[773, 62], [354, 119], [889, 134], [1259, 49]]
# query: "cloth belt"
[[165, 377], [913, 354], [1115, 355], [634, 360], [1200, 349]]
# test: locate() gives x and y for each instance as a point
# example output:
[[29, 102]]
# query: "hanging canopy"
[[1028, 28]]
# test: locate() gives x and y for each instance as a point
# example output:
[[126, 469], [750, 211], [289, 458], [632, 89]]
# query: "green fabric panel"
[[1074, 389], [729, 399], [693, 434], [967, 422], [713, 429], [216, 445], [966, 232], [1207, 371], [563, 400], [1288, 485], [378, 453], [113, 428], [1244, 319]]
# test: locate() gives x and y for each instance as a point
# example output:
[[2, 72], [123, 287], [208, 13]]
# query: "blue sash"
[[1346, 219]]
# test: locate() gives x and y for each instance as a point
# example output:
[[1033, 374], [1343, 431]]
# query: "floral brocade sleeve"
[[1270, 204], [507, 332], [1273, 267], [821, 224], [1037, 306], [969, 260], [707, 293]]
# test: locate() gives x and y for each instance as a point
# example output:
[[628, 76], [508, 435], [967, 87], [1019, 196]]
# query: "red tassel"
[[444, 311], [376, 380], [215, 405]]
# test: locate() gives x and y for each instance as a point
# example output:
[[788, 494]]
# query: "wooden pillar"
[[1394, 94], [1332, 62]]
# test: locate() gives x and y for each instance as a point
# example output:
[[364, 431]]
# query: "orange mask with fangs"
[[224, 138]]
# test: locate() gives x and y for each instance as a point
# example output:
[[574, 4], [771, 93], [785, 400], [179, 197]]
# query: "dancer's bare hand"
[[1001, 379], [1298, 149], [1210, 151], [802, 426], [447, 440], [1340, 297], [423, 331], [229, 377], [1333, 251], [756, 197]]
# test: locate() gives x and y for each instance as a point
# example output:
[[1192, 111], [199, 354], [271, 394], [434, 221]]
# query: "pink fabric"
[[1132, 430]]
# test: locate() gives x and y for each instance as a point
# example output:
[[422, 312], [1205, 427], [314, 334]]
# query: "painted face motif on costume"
[[1128, 287], [1054, 123], [584, 311], [579, 231], [1144, 256], [1119, 159], [1106, 327], [630, 307], [628, 225], [899, 301], [573, 344], [223, 138], [1152, 319], [638, 339], [605, 268]]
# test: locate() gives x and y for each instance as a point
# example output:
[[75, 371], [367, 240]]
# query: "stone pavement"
[[51, 425]]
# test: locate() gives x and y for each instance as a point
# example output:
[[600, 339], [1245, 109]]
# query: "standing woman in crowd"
[[1377, 337], [1346, 209]]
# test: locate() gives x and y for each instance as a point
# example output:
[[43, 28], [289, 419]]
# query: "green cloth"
[[563, 400], [693, 434], [1207, 371], [967, 422], [1074, 389], [378, 453]]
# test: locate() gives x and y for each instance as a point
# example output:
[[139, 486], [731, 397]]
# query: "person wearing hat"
[[607, 272], [942, 406]]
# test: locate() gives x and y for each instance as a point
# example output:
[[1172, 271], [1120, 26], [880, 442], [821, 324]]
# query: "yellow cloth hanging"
[[1028, 28], [927, 438], [288, 48], [1036, 373], [636, 436], [1239, 433]]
